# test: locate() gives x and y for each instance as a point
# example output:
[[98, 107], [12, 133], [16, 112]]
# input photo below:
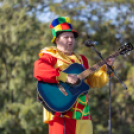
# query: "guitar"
[[61, 97]]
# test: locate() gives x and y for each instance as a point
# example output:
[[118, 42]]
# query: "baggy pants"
[[72, 126]]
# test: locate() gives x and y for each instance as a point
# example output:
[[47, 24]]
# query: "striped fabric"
[[80, 110]]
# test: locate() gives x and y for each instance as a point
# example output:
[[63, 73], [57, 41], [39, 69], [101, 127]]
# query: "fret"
[[87, 72]]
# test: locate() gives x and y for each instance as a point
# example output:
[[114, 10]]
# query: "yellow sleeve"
[[62, 77], [98, 78]]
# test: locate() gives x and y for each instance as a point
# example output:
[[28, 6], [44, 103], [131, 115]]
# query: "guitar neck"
[[87, 72]]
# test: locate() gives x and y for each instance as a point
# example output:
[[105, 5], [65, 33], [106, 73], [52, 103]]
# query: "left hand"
[[111, 61]]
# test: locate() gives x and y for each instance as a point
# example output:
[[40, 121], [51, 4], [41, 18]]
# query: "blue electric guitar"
[[61, 97]]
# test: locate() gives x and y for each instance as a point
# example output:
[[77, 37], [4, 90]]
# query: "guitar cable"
[[64, 124]]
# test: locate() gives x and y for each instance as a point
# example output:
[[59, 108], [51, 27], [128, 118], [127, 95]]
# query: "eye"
[[72, 37], [66, 37]]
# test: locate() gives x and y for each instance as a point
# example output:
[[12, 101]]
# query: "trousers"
[[70, 126]]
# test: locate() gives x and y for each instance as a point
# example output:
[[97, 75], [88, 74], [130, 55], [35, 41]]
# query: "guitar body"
[[55, 99]]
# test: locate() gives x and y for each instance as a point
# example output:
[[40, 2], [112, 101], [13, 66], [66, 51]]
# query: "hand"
[[72, 79], [111, 61]]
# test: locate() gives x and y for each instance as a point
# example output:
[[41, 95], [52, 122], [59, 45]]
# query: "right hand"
[[72, 79]]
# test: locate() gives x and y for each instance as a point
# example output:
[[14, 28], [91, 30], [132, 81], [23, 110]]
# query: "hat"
[[61, 24]]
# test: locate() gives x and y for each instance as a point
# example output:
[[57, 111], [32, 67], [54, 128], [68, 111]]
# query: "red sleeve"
[[85, 61], [44, 70]]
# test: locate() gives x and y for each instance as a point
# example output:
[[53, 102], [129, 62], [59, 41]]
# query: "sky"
[[111, 14]]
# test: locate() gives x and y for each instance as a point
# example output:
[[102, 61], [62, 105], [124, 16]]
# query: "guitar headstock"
[[125, 48]]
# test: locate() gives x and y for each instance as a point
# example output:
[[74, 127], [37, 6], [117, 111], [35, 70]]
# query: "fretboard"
[[87, 72]]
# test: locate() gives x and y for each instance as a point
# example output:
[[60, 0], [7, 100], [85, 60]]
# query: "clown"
[[48, 68]]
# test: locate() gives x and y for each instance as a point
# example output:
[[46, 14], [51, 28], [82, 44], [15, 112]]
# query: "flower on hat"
[[61, 24]]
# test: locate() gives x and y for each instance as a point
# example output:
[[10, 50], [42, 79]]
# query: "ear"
[[56, 40]]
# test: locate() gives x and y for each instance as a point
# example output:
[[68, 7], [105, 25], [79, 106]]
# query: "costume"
[[49, 69]]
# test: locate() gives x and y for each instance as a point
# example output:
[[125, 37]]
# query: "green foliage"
[[22, 36]]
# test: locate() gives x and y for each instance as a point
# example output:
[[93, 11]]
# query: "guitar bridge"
[[61, 88]]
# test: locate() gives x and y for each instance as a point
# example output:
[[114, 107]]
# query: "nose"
[[70, 39]]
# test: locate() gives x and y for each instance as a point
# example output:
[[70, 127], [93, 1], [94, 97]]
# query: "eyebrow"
[[68, 35]]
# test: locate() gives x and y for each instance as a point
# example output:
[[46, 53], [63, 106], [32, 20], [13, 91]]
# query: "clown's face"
[[65, 42]]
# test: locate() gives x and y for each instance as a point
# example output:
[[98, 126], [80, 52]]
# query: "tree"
[[22, 35]]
